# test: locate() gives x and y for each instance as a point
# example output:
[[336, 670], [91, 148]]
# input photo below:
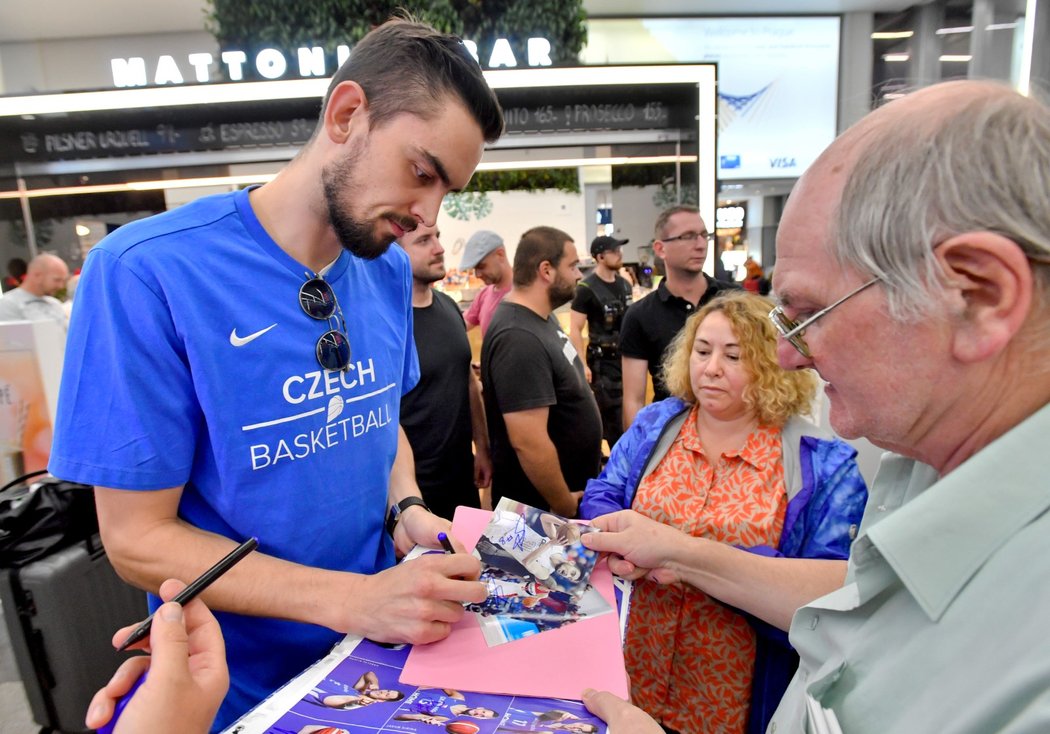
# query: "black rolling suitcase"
[[61, 610]]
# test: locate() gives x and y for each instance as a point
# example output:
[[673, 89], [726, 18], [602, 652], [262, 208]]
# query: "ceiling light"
[[891, 35], [246, 180], [895, 57], [214, 93], [949, 31], [1000, 26], [956, 57]]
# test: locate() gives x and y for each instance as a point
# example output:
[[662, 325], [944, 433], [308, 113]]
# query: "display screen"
[[777, 81]]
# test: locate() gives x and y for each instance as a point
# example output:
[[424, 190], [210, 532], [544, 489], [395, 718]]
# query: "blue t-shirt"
[[190, 361]]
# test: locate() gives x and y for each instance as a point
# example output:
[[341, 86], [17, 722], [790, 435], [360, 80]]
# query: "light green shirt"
[[943, 624]]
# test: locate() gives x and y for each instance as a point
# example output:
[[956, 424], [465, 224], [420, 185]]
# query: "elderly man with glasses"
[[681, 240], [912, 274]]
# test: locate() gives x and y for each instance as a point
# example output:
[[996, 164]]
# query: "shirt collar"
[[940, 539]]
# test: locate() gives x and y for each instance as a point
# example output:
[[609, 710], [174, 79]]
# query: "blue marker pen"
[[121, 705]]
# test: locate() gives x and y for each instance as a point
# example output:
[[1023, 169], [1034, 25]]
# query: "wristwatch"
[[396, 510]]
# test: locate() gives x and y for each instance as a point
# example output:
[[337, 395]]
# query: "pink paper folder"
[[554, 664]]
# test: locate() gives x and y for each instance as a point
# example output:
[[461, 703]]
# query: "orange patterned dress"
[[691, 659]]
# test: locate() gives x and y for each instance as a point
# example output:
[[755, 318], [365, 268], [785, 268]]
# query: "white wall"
[[84, 63], [634, 215], [513, 213]]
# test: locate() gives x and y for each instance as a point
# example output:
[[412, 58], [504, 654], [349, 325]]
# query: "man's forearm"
[[769, 588], [539, 459], [403, 472], [260, 585], [478, 424]]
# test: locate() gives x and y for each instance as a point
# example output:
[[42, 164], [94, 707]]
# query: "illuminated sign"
[[272, 63]]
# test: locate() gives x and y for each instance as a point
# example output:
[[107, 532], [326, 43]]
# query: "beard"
[[429, 273], [357, 236], [561, 291]]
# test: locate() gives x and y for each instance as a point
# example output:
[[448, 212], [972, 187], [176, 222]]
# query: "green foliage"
[[562, 179], [467, 205], [253, 24]]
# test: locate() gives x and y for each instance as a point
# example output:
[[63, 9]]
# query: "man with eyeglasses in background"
[[235, 367], [681, 240], [913, 273]]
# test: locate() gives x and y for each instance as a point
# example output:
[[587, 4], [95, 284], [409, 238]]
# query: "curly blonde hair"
[[775, 394]]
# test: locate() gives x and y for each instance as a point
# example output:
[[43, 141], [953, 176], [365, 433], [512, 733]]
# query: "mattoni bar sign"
[[272, 63]]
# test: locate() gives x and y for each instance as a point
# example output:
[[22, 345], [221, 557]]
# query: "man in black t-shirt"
[[444, 412], [544, 425], [600, 302], [681, 239]]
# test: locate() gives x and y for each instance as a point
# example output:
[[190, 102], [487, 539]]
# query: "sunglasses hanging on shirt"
[[318, 301]]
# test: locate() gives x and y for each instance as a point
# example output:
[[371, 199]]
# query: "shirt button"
[[813, 622], [773, 728]]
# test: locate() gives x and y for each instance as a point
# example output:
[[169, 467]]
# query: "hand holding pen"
[[175, 681], [187, 677]]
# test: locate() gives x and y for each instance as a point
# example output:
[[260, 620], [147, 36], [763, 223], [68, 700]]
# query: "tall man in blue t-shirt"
[[236, 365]]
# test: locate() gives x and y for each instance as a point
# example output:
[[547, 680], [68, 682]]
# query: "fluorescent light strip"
[[950, 31], [895, 57], [122, 99], [179, 183], [1000, 26], [1024, 74], [891, 35], [584, 162], [956, 57], [186, 183]]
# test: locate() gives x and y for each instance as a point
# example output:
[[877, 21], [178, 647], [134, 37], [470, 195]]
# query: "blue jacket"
[[826, 498]]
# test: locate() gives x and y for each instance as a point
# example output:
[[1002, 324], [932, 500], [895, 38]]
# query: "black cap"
[[603, 244]]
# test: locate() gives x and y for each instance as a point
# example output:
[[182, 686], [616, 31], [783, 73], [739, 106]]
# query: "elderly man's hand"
[[638, 546]]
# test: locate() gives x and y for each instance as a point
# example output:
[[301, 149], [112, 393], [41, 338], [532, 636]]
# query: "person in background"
[[34, 299], [544, 426], [16, 273], [487, 256], [235, 368], [681, 242], [755, 280], [600, 302], [729, 465], [444, 412], [187, 677], [913, 274]]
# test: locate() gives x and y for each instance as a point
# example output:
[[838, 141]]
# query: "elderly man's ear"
[[991, 287]]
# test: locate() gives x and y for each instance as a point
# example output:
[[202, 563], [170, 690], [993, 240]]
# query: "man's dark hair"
[[405, 66], [537, 245]]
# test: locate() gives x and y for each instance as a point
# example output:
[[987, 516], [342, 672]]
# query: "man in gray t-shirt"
[[34, 299]]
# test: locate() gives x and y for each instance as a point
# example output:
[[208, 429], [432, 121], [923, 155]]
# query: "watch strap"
[[395, 511]]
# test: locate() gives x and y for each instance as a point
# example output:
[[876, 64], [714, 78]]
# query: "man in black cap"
[[601, 300]]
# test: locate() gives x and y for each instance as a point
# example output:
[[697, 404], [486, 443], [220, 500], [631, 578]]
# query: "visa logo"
[[782, 163], [729, 161]]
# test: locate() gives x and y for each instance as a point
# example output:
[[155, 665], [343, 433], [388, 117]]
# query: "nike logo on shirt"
[[240, 341]]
